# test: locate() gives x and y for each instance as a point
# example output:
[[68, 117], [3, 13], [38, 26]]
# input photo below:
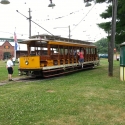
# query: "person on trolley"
[[81, 57]]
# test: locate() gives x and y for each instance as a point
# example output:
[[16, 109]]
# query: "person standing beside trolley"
[[9, 67], [81, 57]]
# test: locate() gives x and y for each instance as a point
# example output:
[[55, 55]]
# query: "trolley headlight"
[[26, 62]]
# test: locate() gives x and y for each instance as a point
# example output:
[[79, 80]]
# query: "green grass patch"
[[83, 98]]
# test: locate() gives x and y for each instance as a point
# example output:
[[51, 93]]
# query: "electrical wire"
[[83, 18], [35, 23]]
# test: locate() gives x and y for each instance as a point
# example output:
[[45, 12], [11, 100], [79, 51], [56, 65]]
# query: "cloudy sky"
[[82, 20]]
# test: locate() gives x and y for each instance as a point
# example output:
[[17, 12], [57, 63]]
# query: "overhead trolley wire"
[[83, 18]]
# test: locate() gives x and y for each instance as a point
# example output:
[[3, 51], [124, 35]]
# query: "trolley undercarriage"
[[54, 72]]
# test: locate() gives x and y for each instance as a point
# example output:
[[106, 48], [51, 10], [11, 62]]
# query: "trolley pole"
[[111, 44]]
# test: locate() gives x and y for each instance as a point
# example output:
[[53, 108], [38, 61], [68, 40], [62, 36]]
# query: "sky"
[[82, 20]]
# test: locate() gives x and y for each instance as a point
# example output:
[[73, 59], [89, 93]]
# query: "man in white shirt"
[[9, 67]]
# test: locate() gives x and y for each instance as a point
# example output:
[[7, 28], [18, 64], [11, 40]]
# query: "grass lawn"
[[84, 98]]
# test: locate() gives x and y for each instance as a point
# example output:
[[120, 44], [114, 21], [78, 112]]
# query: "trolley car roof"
[[28, 41], [55, 40], [58, 38], [38, 42]]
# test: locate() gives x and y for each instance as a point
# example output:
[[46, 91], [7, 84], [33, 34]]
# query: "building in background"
[[7, 48]]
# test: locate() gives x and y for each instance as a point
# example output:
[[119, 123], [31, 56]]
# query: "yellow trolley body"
[[55, 55]]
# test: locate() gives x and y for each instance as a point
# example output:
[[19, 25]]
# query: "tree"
[[102, 46], [120, 23]]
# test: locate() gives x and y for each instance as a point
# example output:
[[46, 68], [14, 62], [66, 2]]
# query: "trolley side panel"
[[30, 62]]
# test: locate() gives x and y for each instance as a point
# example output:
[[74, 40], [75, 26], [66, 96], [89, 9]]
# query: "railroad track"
[[27, 79], [32, 79]]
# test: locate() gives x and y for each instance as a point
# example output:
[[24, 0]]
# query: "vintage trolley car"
[[52, 55]]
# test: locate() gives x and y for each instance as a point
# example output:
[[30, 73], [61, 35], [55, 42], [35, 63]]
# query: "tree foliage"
[[102, 46], [120, 23]]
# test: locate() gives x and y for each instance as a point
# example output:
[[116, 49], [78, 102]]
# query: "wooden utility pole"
[[29, 22], [69, 32], [113, 31]]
